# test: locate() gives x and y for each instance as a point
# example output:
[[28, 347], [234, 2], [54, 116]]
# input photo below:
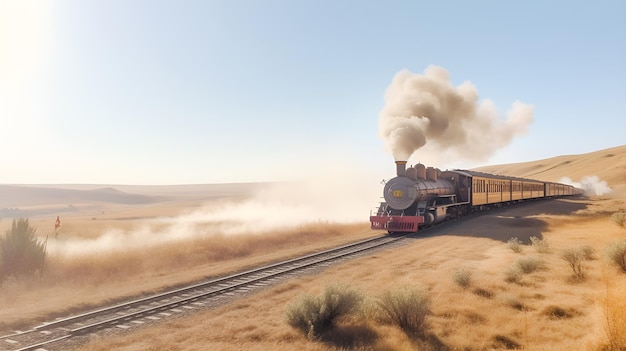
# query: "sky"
[[188, 92]]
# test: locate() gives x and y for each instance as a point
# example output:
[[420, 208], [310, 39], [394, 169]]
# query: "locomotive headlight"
[[400, 193]]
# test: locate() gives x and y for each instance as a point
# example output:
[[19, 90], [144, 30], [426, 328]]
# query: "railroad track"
[[62, 333]]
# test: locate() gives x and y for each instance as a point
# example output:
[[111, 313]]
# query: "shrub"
[[573, 256], [21, 252], [514, 302], [616, 253], [528, 264], [619, 218], [407, 308], [588, 252], [615, 319], [463, 278], [515, 244], [483, 293], [540, 245], [513, 274], [314, 315]]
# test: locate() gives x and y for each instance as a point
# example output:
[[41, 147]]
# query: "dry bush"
[[529, 264], [574, 256], [483, 293], [615, 319], [313, 315], [588, 252], [515, 244], [619, 218], [514, 303], [513, 274], [463, 278], [21, 253], [502, 342], [616, 253], [556, 312], [540, 245], [407, 308]]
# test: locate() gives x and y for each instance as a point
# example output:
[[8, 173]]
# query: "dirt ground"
[[482, 317]]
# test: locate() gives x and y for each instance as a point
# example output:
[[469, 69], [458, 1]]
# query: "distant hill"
[[22, 195], [609, 165]]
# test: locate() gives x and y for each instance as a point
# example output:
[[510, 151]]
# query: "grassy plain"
[[546, 309]]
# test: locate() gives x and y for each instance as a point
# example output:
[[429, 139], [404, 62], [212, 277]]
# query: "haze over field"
[[160, 214]]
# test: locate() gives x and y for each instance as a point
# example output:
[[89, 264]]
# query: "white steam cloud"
[[343, 196], [591, 185], [427, 111]]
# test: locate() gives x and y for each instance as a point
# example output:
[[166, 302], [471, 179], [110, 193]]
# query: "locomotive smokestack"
[[401, 168]]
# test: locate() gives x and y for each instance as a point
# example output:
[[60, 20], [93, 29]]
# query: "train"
[[421, 197]]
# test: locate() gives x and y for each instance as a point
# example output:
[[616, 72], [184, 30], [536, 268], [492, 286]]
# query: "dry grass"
[[614, 314], [77, 282], [545, 311], [542, 310]]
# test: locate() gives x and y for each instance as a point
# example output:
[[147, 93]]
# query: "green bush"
[[21, 253], [616, 253], [540, 245], [463, 278], [314, 315], [574, 256], [407, 308], [515, 244]]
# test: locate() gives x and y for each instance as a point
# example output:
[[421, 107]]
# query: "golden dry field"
[[546, 309]]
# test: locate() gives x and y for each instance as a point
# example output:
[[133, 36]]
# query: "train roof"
[[469, 173]]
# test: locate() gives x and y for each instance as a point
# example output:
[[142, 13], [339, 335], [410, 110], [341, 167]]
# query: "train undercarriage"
[[419, 215]]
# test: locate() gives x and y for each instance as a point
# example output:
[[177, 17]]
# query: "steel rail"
[[285, 267]]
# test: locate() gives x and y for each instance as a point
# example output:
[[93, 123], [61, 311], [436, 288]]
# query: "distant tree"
[[21, 253]]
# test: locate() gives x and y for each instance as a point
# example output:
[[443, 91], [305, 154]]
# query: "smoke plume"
[[591, 185], [427, 111]]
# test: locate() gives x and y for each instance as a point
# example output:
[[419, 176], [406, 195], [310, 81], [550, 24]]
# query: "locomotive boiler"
[[417, 196]]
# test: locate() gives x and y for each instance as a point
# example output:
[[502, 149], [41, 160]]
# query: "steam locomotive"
[[420, 197]]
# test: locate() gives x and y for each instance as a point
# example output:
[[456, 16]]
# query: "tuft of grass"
[[615, 318], [540, 245], [505, 342], [616, 253], [314, 315], [574, 256], [21, 253], [483, 293], [529, 264], [407, 308], [514, 303], [463, 278], [513, 274], [515, 244], [619, 218], [556, 312], [588, 252]]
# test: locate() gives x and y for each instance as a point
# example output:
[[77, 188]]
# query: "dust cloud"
[[341, 195], [447, 122], [591, 185]]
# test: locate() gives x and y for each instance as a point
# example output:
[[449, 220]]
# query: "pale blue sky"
[[170, 92]]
